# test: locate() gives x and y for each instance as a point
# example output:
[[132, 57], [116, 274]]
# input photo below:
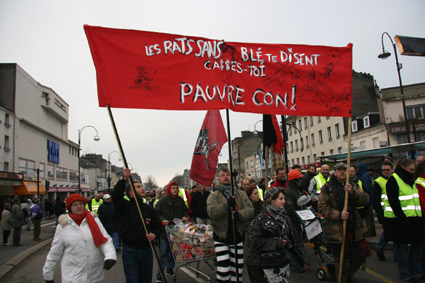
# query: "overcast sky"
[[46, 38]]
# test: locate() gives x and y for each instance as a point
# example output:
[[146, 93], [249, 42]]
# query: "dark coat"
[[402, 229], [130, 226], [306, 180], [108, 217], [198, 205], [292, 193], [366, 179]]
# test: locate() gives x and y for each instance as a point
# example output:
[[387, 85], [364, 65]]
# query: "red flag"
[[149, 70], [208, 146], [272, 134]]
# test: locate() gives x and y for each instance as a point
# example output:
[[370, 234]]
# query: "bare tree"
[[150, 183]]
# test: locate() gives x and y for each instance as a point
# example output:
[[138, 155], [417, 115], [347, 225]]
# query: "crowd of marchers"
[[254, 227]]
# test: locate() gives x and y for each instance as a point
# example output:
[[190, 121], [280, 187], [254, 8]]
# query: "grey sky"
[[46, 38]]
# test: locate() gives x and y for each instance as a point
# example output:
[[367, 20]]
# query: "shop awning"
[[29, 188]]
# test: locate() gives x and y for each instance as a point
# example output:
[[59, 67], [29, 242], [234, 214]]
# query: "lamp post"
[[96, 138], [109, 169], [385, 55]]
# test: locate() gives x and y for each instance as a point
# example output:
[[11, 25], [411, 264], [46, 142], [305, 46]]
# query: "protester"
[[6, 223], [168, 208], [311, 172], [47, 207], [403, 220], [252, 193], [420, 185], [137, 254], [318, 181], [281, 180], [94, 204], [108, 217], [331, 204], [271, 230], [292, 194], [198, 205], [367, 211], [36, 214], [59, 209], [25, 206], [224, 209], [78, 244], [18, 221], [379, 196]]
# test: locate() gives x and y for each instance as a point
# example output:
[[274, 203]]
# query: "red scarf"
[[97, 235]]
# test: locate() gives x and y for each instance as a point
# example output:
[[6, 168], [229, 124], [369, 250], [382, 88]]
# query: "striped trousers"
[[226, 262]]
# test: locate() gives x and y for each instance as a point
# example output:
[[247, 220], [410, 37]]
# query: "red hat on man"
[[74, 197], [294, 174]]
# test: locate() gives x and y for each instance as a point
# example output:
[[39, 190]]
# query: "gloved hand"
[[231, 203], [236, 215], [108, 264]]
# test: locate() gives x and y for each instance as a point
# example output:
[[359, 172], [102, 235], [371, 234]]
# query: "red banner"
[[148, 70], [211, 138]]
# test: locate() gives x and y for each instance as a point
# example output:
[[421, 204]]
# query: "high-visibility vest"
[[382, 182], [182, 193], [409, 200], [320, 181], [260, 193], [95, 204], [155, 201], [360, 184]]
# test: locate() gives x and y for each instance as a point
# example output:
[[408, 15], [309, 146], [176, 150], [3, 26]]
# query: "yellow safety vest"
[[95, 204], [260, 193], [320, 181], [360, 184], [382, 182], [409, 200], [182, 193]]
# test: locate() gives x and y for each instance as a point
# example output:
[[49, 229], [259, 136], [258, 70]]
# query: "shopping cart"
[[312, 223], [190, 245]]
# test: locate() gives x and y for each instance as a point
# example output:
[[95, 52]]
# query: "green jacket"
[[218, 212], [169, 208], [331, 204]]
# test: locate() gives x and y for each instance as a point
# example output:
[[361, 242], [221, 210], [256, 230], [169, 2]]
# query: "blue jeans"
[[165, 257], [382, 243], [138, 264], [17, 235], [115, 240], [409, 264]]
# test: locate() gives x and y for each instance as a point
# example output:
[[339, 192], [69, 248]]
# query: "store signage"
[[53, 152]]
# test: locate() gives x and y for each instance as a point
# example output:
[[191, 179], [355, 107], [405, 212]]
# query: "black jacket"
[[108, 217], [130, 227], [199, 205]]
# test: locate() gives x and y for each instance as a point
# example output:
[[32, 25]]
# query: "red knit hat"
[[294, 174], [74, 197]]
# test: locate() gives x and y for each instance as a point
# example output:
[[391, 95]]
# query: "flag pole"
[[134, 192], [344, 223], [232, 189], [266, 160]]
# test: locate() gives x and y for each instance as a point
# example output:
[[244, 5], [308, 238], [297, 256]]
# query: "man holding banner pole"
[[223, 208]]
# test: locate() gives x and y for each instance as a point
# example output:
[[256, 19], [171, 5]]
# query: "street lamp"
[[96, 138], [385, 55], [109, 164]]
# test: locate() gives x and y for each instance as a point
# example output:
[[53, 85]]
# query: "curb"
[[14, 261]]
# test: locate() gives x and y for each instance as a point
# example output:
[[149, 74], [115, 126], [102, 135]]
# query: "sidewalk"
[[11, 256]]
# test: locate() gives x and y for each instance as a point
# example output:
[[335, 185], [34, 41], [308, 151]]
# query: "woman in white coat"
[[79, 242]]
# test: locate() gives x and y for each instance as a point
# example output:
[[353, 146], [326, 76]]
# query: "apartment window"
[[290, 130], [319, 120], [247, 165], [300, 124], [314, 156], [42, 168], [50, 172], [331, 151], [329, 133], [362, 145], [415, 112], [303, 160], [312, 140], [322, 153], [339, 149], [296, 145], [401, 138], [73, 176], [302, 143], [61, 174], [306, 142], [308, 159], [298, 160], [6, 144], [305, 123], [311, 121], [26, 167], [376, 143], [292, 147], [293, 162], [289, 163], [320, 137], [354, 126], [337, 131], [6, 167], [366, 122], [7, 120]]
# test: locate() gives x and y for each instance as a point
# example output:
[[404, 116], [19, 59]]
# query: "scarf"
[[97, 235], [279, 216], [225, 190]]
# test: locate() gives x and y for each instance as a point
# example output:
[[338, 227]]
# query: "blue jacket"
[[366, 179]]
